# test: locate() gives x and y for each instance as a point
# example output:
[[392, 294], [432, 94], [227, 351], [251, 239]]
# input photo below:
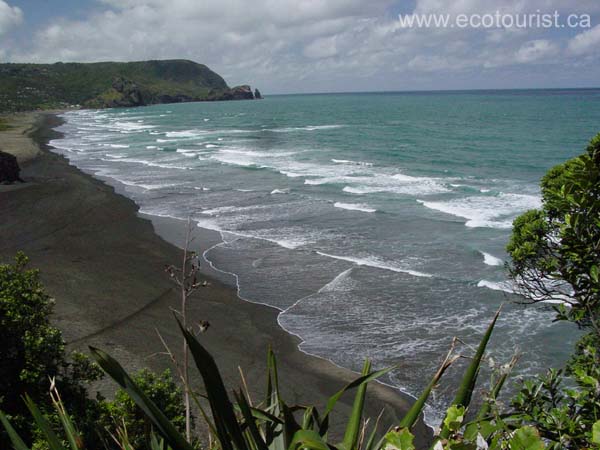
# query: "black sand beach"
[[104, 266]]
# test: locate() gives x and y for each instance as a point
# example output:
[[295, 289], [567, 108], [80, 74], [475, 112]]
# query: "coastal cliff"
[[26, 87]]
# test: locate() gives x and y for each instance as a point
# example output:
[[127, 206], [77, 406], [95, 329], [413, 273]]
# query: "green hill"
[[111, 84]]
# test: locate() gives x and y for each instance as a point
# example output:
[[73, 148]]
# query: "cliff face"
[[111, 84]]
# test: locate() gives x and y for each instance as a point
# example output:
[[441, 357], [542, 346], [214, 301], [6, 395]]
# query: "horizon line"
[[419, 91]]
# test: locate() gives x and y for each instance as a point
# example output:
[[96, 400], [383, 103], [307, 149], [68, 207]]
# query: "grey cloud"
[[304, 45]]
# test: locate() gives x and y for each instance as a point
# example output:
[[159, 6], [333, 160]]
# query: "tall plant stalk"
[[185, 277]]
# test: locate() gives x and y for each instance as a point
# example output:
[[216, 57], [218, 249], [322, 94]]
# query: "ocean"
[[377, 222]]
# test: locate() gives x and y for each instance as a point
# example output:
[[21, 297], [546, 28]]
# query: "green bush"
[[32, 351], [123, 412]]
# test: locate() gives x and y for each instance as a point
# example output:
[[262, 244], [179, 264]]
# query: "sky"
[[301, 46]]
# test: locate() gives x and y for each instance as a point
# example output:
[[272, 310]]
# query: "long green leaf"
[[16, 440], [211, 426], [261, 415], [117, 373], [257, 439], [371, 440], [43, 424], [353, 426], [473, 427], [274, 432], [308, 419], [70, 431], [354, 384], [290, 426], [465, 390], [308, 439], [155, 444], [485, 408], [416, 409], [228, 428]]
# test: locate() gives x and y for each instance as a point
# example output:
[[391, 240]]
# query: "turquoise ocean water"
[[375, 222]]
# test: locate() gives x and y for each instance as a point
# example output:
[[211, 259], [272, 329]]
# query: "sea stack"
[[257, 95]]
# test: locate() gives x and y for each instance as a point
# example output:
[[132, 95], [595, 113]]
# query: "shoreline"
[[80, 233]]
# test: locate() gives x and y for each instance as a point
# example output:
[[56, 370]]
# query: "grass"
[[5, 124]]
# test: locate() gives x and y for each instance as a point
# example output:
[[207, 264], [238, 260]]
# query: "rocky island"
[[25, 87]]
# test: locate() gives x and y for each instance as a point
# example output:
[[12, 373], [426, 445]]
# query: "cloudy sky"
[[284, 46]]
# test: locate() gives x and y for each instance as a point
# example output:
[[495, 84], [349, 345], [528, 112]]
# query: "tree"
[[32, 352], [556, 256], [556, 250]]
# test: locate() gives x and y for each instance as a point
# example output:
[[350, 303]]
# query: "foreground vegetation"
[[555, 253]]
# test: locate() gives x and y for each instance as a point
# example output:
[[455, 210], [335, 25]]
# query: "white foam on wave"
[[342, 282], [211, 146], [290, 174], [305, 128], [288, 242], [191, 152], [250, 158], [152, 187], [184, 133], [280, 191], [360, 177], [154, 164], [504, 286], [486, 211], [374, 181], [350, 162], [118, 145], [355, 207], [151, 147], [129, 126], [360, 190], [377, 264], [491, 260]]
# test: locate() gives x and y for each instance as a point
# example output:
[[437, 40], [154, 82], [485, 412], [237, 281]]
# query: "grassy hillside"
[[107, 84]]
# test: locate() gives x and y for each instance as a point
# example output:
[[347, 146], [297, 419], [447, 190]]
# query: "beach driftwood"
[[9, 168]]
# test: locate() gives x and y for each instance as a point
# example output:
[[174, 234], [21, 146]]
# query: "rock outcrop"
[[130, 93], [243, 92], [257, 95], [9, 168]]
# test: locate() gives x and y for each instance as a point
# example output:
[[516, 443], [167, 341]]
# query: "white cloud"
[[535, 51], [586, 42], [10, 16], [506, 6]]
